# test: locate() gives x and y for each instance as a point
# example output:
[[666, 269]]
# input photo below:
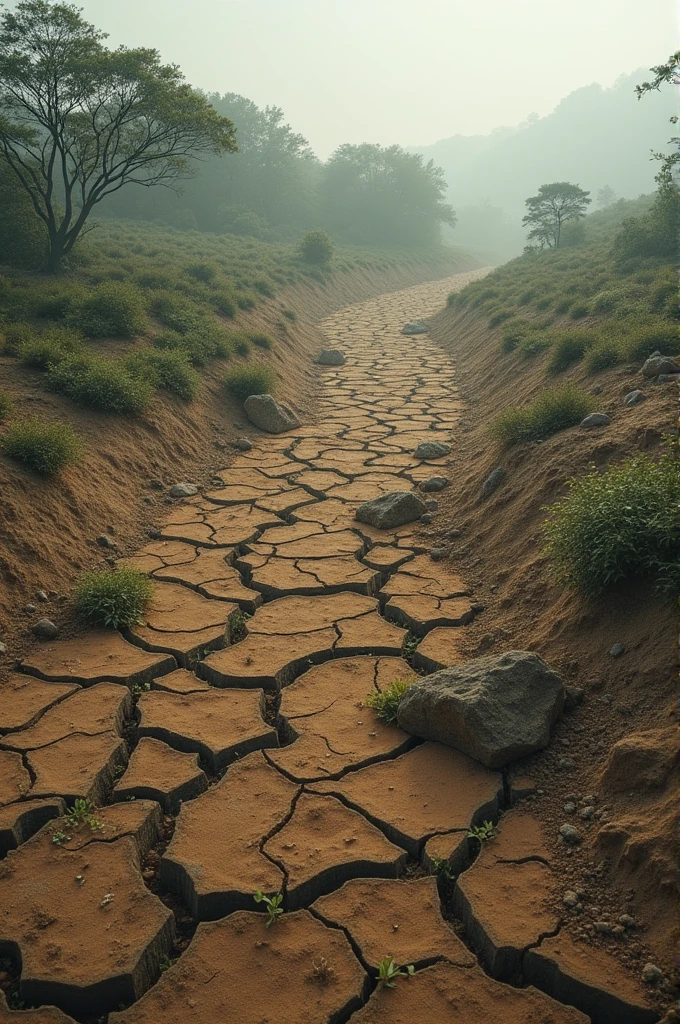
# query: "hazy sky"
[[409, 71]]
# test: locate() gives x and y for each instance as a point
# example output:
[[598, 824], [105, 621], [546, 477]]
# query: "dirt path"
[[255, 764]]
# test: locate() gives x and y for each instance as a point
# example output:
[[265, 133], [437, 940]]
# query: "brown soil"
[[158, 772]]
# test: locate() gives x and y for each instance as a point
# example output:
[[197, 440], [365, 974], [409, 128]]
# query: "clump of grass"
[[43, 447], [601, 356], [643, 339], [113, 598], [386, 702], [225, 303], [111, 310], [14, 336], [578, 310], [50, 348], [618, 524], [250, 379], [6, 405], [555, 409], [316, 248], [240, 344], [499, 317], [568, 349], [261, 340], [102, 384], [289, 314], [204, 271], [204, 341], [168, 370]]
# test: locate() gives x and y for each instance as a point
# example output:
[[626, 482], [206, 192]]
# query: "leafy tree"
[[605, 197], [554, 206], [79, 121], [372, 194], [316, 247]]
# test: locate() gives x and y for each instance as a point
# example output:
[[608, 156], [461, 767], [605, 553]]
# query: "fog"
[[407, 71]]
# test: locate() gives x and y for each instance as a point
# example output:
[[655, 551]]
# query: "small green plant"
[[82, 813], [59, 838], [555, 409], [6, 405], [261, 340], [137, 689], [113, 598], [441, 867], [600, 357], [165, 964], [272, 905], [388, 972], [289, 314], [111, 310], [14, 336], [386, 702], [240, 344], [102, 384], [43, 447], [411, 644], [568, 349], [316, 248], [482, 833], [237, 626], [250, 379], [322, 970], [168, 370]]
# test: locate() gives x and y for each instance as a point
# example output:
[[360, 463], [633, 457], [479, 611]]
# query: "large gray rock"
[[431, 450], [657, 364], [178, 491], [331, 357], [634, 397], [435, 483], [416, 327], [495, 709], [492, 482], [267, 414], [391, 510], [595, 419]]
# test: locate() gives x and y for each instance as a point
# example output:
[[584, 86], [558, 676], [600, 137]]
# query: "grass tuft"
[[386, 702], [555, 409], [43, 447], [102, 384], [168, 370], [113, 598], [250, 379]]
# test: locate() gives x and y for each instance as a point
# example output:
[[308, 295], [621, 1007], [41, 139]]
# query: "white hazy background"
[[407, 71]]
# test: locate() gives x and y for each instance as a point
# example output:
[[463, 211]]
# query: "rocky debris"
[[104, 541], [427, 518], [42, 596], [617, 650], [183, 490], [495, 709], [570, 834], [29, 609], [432, 450], [634, 398], [658, 364], [415, 327], [596, 419], [331, 357], [573, 697], [391, 510], [45, 629], [242, 444], [651, 974], [492, 482], [434, 483], [269, 415]]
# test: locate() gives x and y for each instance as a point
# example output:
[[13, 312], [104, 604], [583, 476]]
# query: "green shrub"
[[563, 306], [261, 340], [555, 409], [16, 335], [203, 271], [225, 303], [578, 310], [111, 310], [601, 356], [499, 317], [568, 349], [101, 384], [513, 333], [291, 315], [43, 447], [641, 341], [246, 300], [6, 405], [170, 371], [240, 344], [50, 348], [114, 598], [535, 343], [56, 305], [617, 524], [316, 248], [250, 379], [206, 341], [264, 287], [386, 702]]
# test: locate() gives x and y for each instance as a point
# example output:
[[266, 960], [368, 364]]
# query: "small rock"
[[217, 481], [427, 518], [569, 808], [438, 554], [603, 927], [157, 485], [432, 450], [45, 629], [570, 834], [666, 378], [597, 390], [657, 364], [618, 931], [596, 419], [492, 482], [570, 899], [269, 415], [148, 500], [331, 357], [183, 490], [432, 506], [573, 696], [435, 483], [391, 510], [586, 813], [634, 398], [242, 444], [617, 650], [154, 534], [565, 762], [416, 327], [105, 541], [627, 921], [29, 608], [42, 596], [651, 974], [3, 648]]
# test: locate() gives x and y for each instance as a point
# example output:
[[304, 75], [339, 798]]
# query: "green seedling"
[[411, 644], [322, 969], [137, 689], [82, 813], [273, 905], [165, 964], [388, 972], [482, 833], [237, 625], [442, 868], [60, 837], [386, 702]]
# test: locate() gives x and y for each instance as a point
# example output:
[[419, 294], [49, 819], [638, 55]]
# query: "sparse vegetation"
[[169, 370], [386, 702], [250, 379], [482, 833], [555, 409], [388, 972], [6, 405], [43, 447], [114, 598], [114, 309], [98, 383], [619, 523], [272, 906], [82, 813], [261, 340]]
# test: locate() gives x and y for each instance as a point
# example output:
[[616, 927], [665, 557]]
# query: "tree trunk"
[[55, 255]]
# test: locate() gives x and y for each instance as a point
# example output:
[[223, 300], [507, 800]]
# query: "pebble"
[[586, 813], [570, 899], [105, 541], [569, 808], [634, 397], [438, 554], [427, 517], [148, 500], [42, 596], [157, 484], [651, 973], [627, 921], [596, 419], [618, 931], [617, 650], [3, 648], [573, 697], [565, 762], [45, 629], [432, 506], [183, 490], [154, 534], [242, 444], [603, 927], [570, 834], [30, 608], [435, 483]]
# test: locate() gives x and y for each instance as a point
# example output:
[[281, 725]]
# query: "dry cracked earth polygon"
[[227, 746]]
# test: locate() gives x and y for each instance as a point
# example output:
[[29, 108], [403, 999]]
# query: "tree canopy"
[[555, 205], [79, 121]]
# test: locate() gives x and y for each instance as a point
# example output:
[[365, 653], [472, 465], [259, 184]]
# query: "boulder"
[[494, 709], [391, 510], [435, 483], [45, 629], [242, 444], [179, 491], [416, 327], [492, 482], [634, 398], [331, 357], [596, 419], [431, 450], [267, 414], [657, 364]]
